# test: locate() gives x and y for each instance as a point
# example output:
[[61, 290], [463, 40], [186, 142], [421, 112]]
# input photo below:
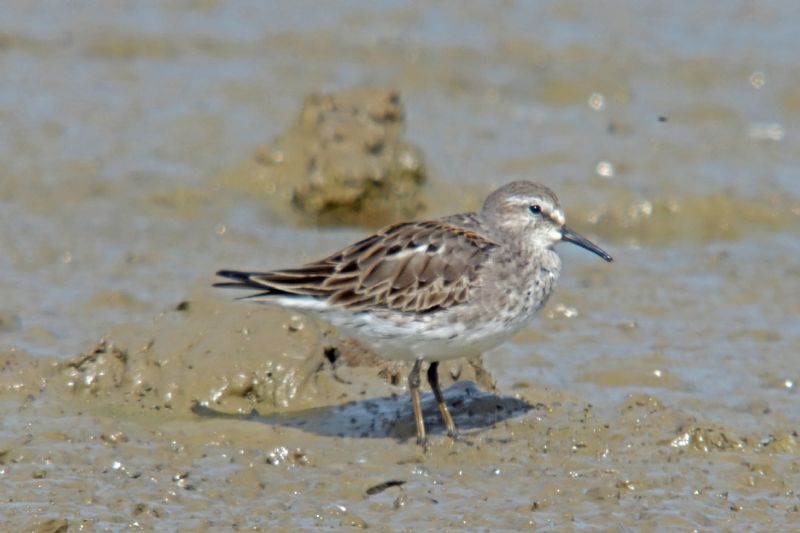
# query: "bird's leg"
[[433, 379], [413, 387]]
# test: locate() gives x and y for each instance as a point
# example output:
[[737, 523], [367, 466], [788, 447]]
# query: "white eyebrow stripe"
[[553, 214]]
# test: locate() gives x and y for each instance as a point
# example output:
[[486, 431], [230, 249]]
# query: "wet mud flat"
[[140, 156], [220, 417]]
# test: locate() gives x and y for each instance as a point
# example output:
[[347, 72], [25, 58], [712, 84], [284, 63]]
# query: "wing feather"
[[412, 267]]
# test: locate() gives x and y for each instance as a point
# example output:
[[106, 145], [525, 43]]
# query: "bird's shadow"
[[390, 416]]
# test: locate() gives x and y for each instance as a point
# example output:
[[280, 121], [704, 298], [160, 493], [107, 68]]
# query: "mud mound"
[[343, 161], [236, 358]]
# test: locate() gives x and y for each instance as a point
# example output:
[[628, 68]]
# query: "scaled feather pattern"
[[415, 267]]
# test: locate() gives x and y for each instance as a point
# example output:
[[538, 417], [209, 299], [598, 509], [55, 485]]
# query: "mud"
[[657, 393], [277, 362], [343, 161]]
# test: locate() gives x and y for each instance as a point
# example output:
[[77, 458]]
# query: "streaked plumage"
[[433, 290], [413, 267]]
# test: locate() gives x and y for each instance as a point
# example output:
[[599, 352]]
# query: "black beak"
[[570, 236]]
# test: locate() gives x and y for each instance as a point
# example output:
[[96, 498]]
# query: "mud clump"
[[344, 160], [235, 360], [196, 356], [102, 366], [705, 439]]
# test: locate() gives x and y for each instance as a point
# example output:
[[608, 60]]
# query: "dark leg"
[[433, 379], [413, 387]]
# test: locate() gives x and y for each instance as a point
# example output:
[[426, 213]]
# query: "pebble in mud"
[[281, 455]]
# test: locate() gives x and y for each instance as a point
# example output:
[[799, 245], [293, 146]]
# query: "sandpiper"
[[434, 290]]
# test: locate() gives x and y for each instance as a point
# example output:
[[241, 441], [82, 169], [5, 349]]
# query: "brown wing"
[[417, 266]]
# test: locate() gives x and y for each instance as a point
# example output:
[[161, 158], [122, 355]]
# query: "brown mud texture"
[[220, 416], [343, 161], [658, 393]]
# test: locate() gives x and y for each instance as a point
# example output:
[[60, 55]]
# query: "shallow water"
[[654, 393]]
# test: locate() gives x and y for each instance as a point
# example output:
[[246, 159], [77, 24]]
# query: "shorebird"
[[433, 290]]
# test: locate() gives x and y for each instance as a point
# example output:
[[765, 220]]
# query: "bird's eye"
[[535, 209]]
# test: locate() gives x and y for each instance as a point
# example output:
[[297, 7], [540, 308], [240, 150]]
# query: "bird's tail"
[[299, 283]]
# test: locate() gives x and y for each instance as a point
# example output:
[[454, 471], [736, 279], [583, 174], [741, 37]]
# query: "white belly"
[[412, 340]]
